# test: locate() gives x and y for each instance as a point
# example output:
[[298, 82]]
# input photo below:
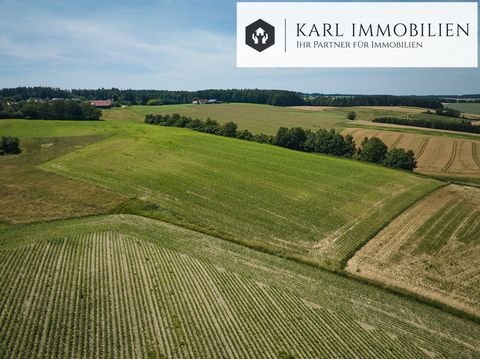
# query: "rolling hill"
[[315, 208]]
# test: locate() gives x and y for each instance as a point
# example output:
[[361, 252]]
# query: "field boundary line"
[[344, 261], [452, 157]]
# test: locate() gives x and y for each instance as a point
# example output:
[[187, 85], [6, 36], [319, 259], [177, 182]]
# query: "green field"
[[311, 207], [125, 286], [29, 194], [196, 260], [267, 119], [473, 108]]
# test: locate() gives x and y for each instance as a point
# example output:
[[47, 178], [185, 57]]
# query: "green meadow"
[[306, 206], [267, 119]]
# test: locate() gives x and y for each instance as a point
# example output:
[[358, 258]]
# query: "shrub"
[[293, 138], [373, 150], [10, 145], [229, 129], [351, 115], [399, 158]]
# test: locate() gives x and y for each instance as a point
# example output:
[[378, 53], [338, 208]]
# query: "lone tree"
[[373, 150], [9, 145], [352, 115], [399, 158]]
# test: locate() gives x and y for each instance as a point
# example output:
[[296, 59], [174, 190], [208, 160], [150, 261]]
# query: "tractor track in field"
[[397, 141], [452, 157], [422, 149], [475, 154]]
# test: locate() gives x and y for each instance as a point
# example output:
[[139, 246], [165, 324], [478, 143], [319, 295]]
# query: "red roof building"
[[102, 103]]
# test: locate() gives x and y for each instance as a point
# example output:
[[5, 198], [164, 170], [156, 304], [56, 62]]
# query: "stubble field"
[[438, 156], [432, 249]]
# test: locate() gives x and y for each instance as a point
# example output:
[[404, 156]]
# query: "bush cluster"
[[447, 111], [296, 138], [454, 125], [9, 145], [375, 150]]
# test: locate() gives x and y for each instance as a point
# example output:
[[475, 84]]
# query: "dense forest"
[[269, 97], [464, 126]]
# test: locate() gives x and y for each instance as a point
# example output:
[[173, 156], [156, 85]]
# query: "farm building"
[[102, 103], [204, 102]]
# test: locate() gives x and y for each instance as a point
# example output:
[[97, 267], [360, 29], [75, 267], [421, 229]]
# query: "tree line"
[[374, 100], [321, 141], [51, 110], [161, 97], [257, 96], [460, 125]]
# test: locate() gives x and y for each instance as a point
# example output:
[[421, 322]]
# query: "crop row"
[[112, 295]]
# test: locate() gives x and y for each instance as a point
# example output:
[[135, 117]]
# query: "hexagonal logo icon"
[[260, 35]]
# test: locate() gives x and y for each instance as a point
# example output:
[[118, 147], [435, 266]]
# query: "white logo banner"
[[354, 34]]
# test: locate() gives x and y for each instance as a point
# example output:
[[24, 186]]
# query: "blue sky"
[[171, 44]]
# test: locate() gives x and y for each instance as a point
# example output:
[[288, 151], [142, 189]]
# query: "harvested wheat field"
[[439, 156], [432, 249]]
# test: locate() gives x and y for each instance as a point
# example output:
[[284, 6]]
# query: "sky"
[[173, 45]]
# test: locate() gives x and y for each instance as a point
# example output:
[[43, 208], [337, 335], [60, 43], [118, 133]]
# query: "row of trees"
[[270, 97], [161, 97], [374, 100], [296, 138], [9, 145], [460, 125], [52, 110]]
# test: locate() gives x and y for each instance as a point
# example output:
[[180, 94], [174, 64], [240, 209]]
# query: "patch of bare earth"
[[432, 249]]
